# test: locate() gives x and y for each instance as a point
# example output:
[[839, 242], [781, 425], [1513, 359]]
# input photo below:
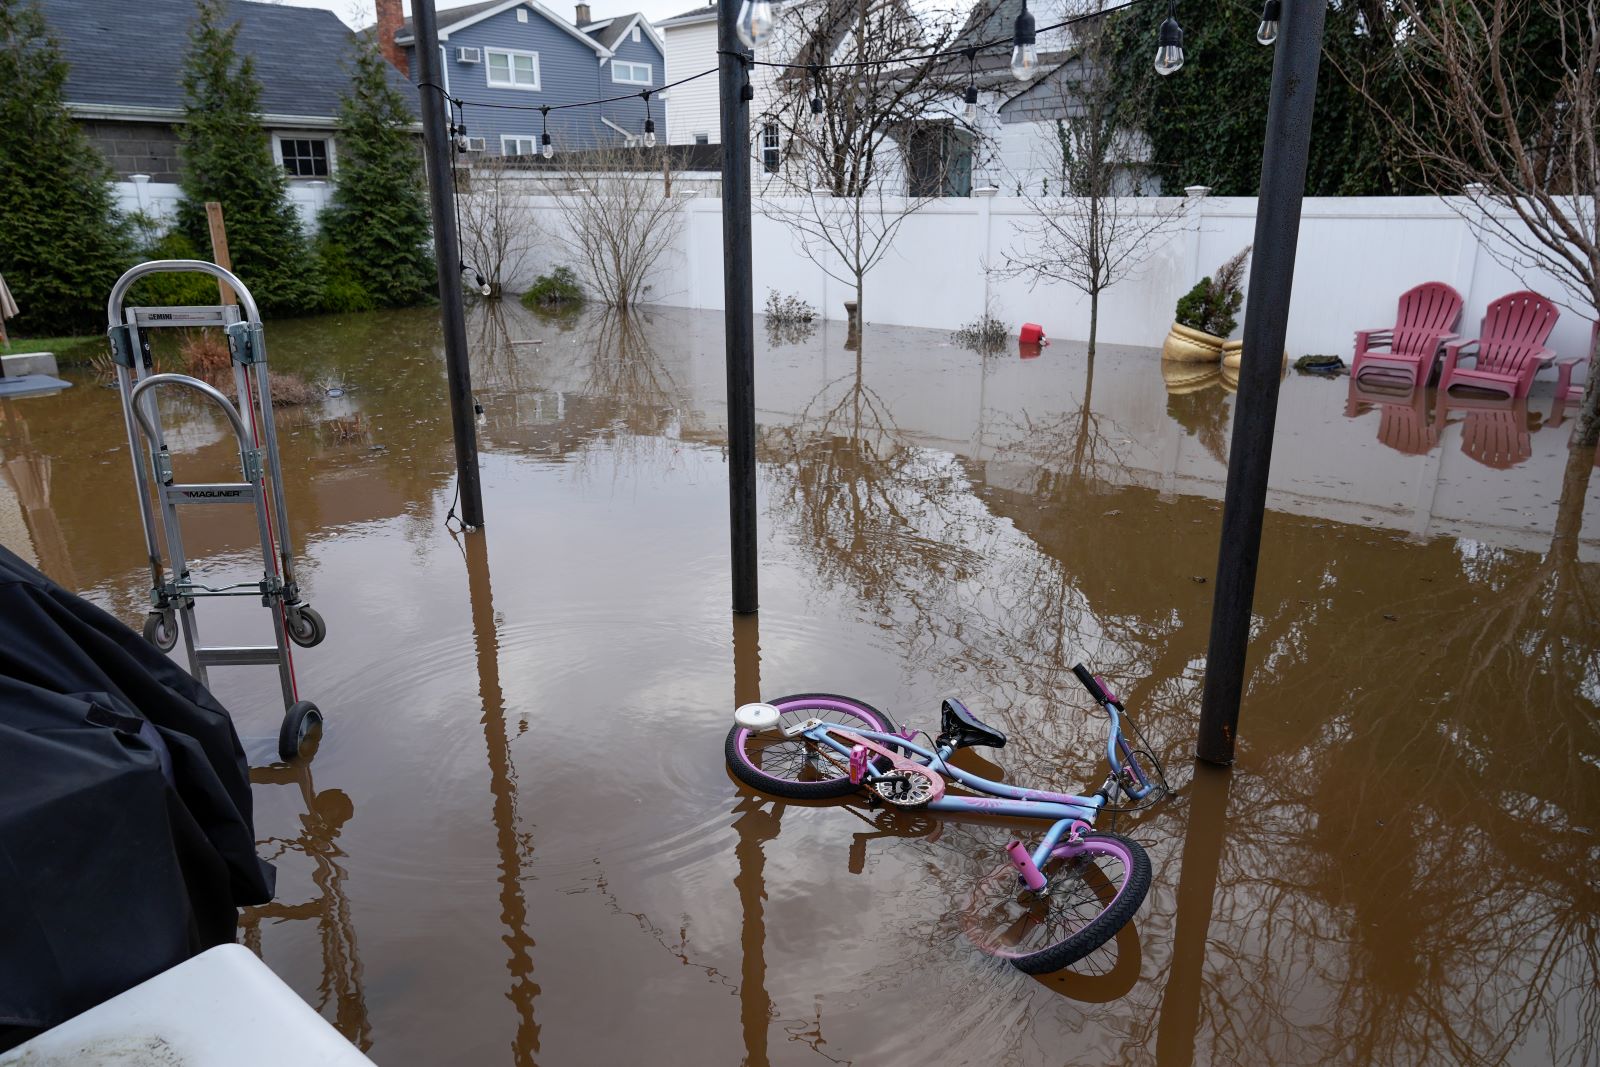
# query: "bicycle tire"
[[1006, 919], [750, 762]]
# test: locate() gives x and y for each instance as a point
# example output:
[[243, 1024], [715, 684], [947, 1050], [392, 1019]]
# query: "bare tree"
[[496, 230], [618, 221], [1501, 99], [1096, 230], [885, 142]]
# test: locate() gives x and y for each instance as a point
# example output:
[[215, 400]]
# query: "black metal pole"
[[1266, 320], [447, 254], [738, 310]]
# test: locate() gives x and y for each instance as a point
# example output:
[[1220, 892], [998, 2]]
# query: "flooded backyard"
[[517, 841]]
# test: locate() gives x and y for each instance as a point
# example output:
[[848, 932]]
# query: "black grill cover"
[[126, 843]]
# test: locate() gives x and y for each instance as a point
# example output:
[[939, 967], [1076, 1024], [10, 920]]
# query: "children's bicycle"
[[1042, 909]]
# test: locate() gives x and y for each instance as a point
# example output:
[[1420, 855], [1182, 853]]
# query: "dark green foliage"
[[166, 289], [342, 286], [379, 216], [62, 243], [228, 158], [1214, 301], [1207, 122], [557, 289]]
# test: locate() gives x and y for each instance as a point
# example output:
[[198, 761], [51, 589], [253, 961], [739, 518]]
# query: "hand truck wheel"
[[299, 723], [161, 630], [306, 627]]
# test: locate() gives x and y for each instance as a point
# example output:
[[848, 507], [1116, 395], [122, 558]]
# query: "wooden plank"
[[219, 248]]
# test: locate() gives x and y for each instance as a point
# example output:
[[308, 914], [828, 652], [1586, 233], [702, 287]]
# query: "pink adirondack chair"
[[1422, 323], [1510, 347], [1566, 392]]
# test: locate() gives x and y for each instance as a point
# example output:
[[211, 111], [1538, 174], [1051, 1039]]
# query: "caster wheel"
[[161, 630], [300, 722], [306, 627]]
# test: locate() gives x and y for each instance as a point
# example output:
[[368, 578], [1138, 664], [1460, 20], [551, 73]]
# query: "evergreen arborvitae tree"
[[375, 234], [62, 242], [228, 158]]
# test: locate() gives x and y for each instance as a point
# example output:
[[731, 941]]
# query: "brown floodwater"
[[517, 841]]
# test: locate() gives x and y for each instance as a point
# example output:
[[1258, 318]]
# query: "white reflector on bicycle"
[[756, 716]]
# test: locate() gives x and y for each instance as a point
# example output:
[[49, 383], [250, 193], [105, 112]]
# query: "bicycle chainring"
[[905, 788]]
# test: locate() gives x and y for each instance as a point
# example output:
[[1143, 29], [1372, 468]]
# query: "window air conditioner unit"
[[469, 55], [476, 144]]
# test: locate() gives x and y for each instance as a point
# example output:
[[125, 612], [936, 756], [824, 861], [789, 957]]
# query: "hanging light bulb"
[[816, 115], [1024, 51], [755, 22], [1267, 32], [1169, 51], [972, 105], [649, 133], [546, 149]]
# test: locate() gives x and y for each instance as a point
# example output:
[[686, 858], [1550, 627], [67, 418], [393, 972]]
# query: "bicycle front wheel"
[[795, 767], [1094, 888]]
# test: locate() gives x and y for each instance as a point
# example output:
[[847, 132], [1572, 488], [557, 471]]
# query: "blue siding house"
[[519, 54]]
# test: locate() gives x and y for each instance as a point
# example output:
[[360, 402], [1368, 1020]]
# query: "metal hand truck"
[[173, 595]]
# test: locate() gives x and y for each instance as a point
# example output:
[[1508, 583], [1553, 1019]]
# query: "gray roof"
[[124, 54], [449, 16], [611, 33]]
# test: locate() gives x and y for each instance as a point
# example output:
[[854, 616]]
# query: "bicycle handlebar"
[[1092, 684]]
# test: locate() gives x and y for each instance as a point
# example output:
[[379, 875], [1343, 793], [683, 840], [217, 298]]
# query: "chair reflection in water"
[[321, 823], [1405, 421]]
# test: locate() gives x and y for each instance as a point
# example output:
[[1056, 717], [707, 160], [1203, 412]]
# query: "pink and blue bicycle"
[[1043, 908]]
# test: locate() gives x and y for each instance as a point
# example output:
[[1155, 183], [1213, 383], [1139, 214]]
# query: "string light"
[[816, 101], [972, 86], [649, 122], [1024, 50], [1267, 32], [754, 24], [546, 149], [1169, 50]]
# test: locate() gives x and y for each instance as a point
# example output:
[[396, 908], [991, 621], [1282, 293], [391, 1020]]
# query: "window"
[[630, 73], [522, 14], [304, 157], [511, 145], [702, 138], [771, 152], [509, 69], [940, 161], [636, 35]]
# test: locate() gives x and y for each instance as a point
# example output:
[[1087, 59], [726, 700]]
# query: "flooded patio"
[[518, 843]]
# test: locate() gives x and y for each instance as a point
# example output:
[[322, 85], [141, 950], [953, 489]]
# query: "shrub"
[[228, 158], [557, 289], [379, 214], [205, 355], [342, 287], [788, 309], [985, 335], [62, 243], [1214, 301], [157, 290]]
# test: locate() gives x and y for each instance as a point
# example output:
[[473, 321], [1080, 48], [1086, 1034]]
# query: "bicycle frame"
[[1066, 809]]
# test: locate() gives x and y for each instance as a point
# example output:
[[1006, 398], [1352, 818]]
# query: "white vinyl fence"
[[159, 200], [1356, 256]]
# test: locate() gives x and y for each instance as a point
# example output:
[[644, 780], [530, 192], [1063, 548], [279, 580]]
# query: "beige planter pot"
[[1233, 353], [1187, 345]]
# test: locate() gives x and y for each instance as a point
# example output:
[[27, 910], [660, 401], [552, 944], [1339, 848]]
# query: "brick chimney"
[[390, 22], [583, 15]]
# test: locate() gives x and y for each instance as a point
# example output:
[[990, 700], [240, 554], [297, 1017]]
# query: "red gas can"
[[1032, 334]]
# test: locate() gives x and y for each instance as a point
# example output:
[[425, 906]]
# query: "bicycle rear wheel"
[[1094, 888], [795, 767]]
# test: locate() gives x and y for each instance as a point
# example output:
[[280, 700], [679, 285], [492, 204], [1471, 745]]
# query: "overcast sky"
[[358, 13]]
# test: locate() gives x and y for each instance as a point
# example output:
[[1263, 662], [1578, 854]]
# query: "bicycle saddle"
[[960, 727]]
